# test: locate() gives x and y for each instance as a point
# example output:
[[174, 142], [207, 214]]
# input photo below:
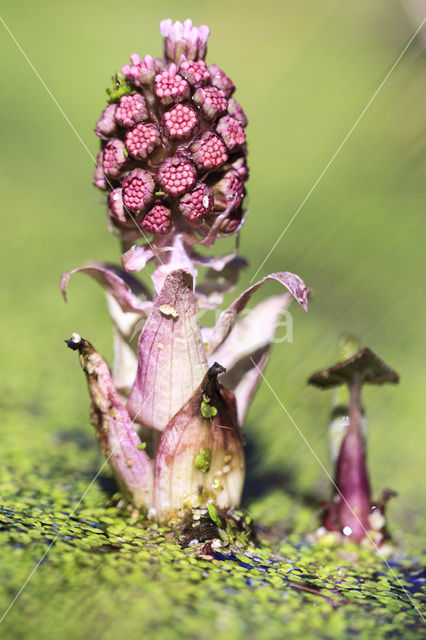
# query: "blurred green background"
[[304, 72]]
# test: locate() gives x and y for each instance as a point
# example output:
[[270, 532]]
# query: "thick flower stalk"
[[169, 415], [351, 511]]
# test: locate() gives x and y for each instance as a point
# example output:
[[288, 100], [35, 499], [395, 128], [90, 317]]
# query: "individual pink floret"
[[197, 203], [157, 220], [209, 152], [106, 125], [180, 122], [114, 158], [220, 80], [177, 175], [231, 131], [142, 140], [195, 71], [212, 101], [170, 87], [235, 110], [131, 109], [138, 190]]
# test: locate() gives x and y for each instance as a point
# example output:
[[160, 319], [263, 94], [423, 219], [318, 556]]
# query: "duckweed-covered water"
[[95, 573]]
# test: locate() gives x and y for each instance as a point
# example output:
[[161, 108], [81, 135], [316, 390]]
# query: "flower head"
[[174, 119]]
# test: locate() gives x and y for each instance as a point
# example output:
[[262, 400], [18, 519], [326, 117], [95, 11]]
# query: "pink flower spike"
[[120, 444], [142, 140], [209, 152], [114, 158], [197, 203], [131, 110], [157, 220], [170, 87], [231, 131], [180, 122], [221, 80], [177, 175], [212, 101], [138, 190], [235, 110], [184, 40], [195, 72], [106, 126]]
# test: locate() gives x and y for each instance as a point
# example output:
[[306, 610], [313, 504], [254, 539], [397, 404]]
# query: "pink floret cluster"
[[172, 139]]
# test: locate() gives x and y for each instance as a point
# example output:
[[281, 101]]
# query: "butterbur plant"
[[173, 160], [351, 512]]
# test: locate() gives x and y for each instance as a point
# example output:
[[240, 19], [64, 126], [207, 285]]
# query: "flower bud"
[[211, 100], [140, 72], [107, 126], [131, 110], [221, 80], [114, 158], [184, 40], [195, 71], [158, 220], [138, 190], [197, 203], [170, 87], [235, 110], [209, 151], [232, 132], [228, 192], [142, 140]]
